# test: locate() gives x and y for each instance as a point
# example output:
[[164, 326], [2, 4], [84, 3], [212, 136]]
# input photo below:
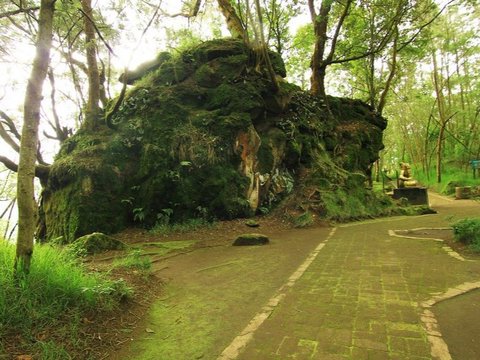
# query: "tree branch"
[[11, 125], [337, 31], [414, 36], [98, 32], [18, 11], [41, 171], [8, 139]]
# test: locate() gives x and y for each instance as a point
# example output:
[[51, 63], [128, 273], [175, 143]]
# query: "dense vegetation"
[[467, 231]]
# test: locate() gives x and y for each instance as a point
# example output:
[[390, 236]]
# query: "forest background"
[[423, 76]]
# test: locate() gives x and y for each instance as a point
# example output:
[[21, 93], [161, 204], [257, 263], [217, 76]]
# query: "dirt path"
[[360, 294]]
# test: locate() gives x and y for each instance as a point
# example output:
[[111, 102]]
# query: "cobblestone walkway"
[[364, 296]]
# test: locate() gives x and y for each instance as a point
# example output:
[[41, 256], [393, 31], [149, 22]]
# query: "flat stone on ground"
[[251, 239]]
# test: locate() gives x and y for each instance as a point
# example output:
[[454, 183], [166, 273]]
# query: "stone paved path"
[[355, 292], [362, 296]]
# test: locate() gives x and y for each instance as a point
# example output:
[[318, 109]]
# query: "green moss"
[[235, 99], [217, 71], [95, 243], [215, 49], [174, 147], [172, 72]]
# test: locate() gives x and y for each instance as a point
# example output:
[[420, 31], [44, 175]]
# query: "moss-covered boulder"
[[251, 239], [95, 243], [202, 134]]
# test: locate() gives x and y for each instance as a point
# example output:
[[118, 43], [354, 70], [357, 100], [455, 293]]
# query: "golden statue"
[[405, 178]]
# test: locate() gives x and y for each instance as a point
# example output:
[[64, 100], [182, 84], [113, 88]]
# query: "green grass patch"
[[451, 178], [51, 299], [467, 231], [134, 260]]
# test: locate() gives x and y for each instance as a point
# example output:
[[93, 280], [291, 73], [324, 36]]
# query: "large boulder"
[[202, 134]]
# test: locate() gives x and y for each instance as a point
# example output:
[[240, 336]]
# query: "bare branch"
[[98, 32], [80, 64], [8, 139], [18, 11], [337, 31], [193, 11], [41, 171], [11, 125]]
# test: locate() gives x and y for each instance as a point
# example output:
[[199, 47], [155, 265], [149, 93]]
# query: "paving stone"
[[398, 345], [364, 295], [418, 347]]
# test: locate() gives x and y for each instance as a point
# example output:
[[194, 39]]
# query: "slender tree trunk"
[[28, 148], [264, 50], [93, 109], [234, 23], [320, 24], [441, 114], [393, 70]]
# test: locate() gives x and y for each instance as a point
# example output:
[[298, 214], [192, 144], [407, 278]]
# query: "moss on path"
[[360, 298]]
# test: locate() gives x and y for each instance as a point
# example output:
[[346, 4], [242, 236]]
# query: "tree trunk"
[[28, 146], [93, 109], [268, 63], [234, 23], [318, 66], [437, 82]]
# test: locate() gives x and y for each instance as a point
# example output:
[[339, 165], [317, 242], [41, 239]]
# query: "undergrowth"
[[451, 178], [57, 288], [467, 231]]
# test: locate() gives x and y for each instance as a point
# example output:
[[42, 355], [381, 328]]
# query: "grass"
[[134, 260], [48, 304], [451, 177], [467, 231]]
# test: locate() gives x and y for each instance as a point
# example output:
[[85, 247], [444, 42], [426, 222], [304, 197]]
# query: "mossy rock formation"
[[203, 134], [96, 243]]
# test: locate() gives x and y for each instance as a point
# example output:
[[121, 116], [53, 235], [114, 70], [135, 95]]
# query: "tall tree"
[[93, 110], [28, 147], [322, 56]]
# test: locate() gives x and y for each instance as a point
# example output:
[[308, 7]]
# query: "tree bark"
[[92, 112], [319, 60], [442, 114], [234, 23], [268, 63], [28, 146], [320, 26]]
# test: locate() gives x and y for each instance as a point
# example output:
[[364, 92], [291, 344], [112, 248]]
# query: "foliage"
[[452, 177], [467, 231], [436, 99], [303, 220], [299, 58], [57, 287]]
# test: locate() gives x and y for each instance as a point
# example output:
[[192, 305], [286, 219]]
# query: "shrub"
[[467, 231]]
